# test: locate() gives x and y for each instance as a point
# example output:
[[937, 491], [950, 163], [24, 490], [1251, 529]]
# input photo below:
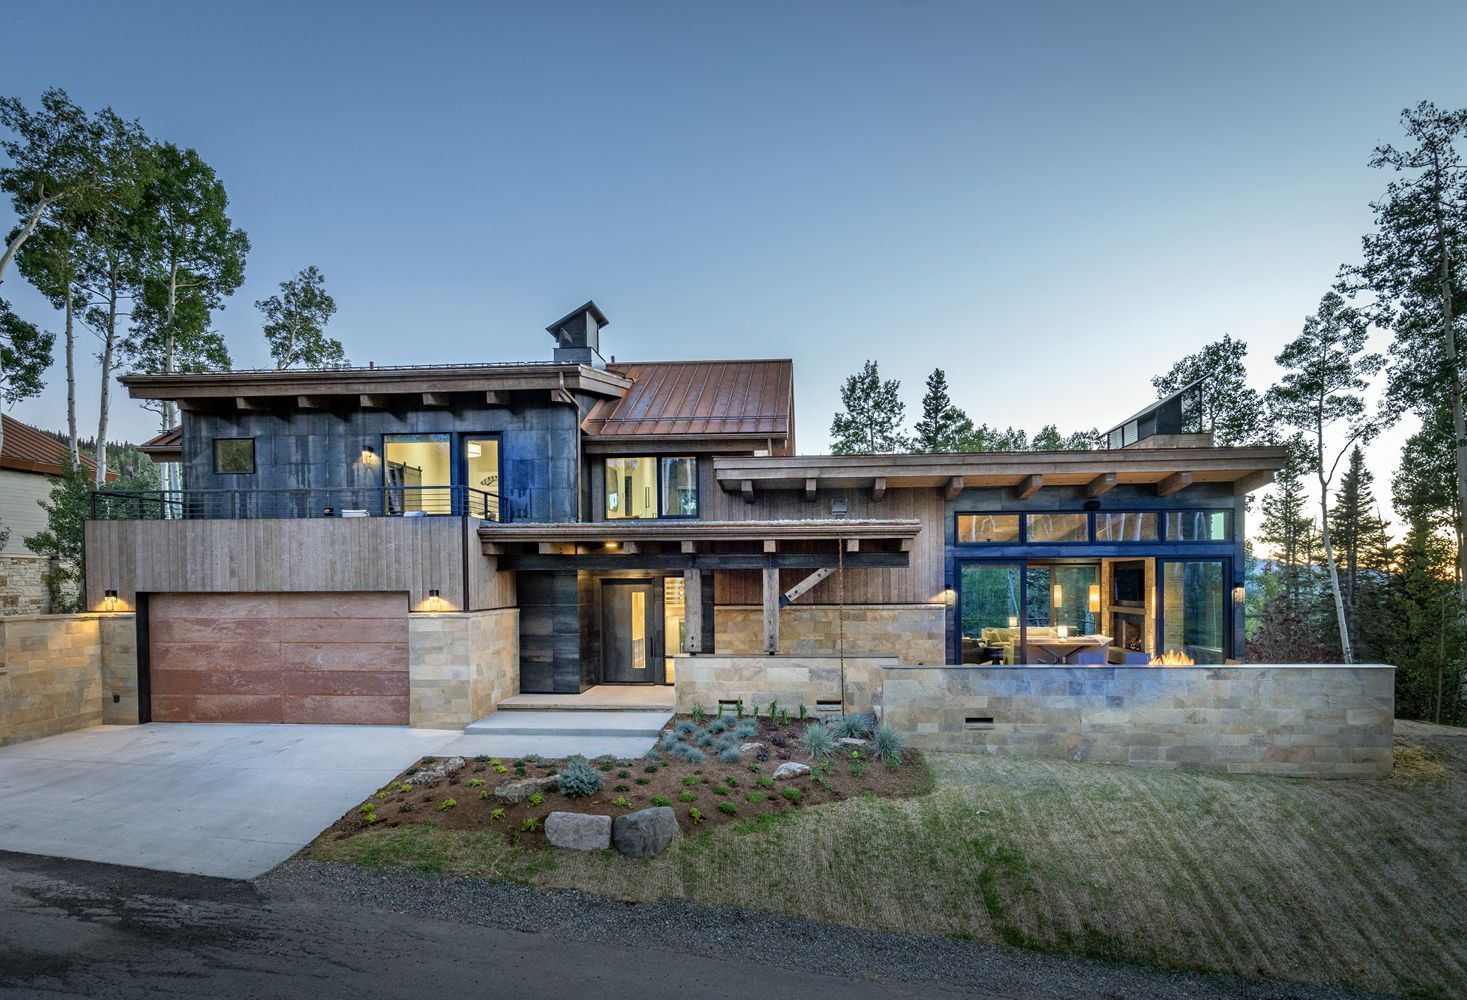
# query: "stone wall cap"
[[999, 668], [79, 616]]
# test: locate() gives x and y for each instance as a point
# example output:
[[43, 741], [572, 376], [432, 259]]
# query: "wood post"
[[771, 610], [693, 609]]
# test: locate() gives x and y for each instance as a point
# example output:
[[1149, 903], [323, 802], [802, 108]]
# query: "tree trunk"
[[107, 344], [1459, 428], [1334, 573], [71, 435], [24, 234]]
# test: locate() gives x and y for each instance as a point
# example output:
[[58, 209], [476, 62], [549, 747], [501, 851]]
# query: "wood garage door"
[[319, 658]]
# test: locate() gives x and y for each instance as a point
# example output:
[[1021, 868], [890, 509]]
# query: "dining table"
[[1064, 650]]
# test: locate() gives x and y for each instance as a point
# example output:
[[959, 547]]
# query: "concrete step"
[[590, 747], [579, 724]]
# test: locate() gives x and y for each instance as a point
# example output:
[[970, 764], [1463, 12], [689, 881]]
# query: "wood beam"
[[1249, 483], [689, 547], [1174, 483], [373, 400], [496, 397], [631, 548], [904, 545], [562, 396], [747, 489], [705, 561], [1100, 485], [878, 489], [770, 545], [557, 548], [771, 609], [190, 405], [794, 593], [1030, 485], [313, 402], [437, 399], [853, 545], [252, 403], [953, 488], [693, 609], [810, 487]]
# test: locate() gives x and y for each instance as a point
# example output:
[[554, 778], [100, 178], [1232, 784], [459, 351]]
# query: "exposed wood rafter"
[[496, 397], [878, 489], [953, 488], [810, 487], [252, 404], [1174, 483], [373, 400], [1100, 485], [313, 402], [747, 489], [1248, 484], [1029, 485], [440, 399]]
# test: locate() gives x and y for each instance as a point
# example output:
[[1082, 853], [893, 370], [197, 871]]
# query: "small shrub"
[[730, 755], [690, 781], [622, 801], [367, 807], [530, 825], [817, 740], [695, 816], [623, 774], [578, 780], [705, 739], [699, 716], [428, 761], [688, 753], [661, 800], [404, 787], [747, 729], [650, 769], [753, 768], [668, 741], [773, 710], [859, 768], [686, 797], [532, 759], [684, 728], [500, 768], [622, 788], [803, 711], [792, 795], [406, 807], [857, 726], [386, 794], [717, 726], [476, 782], [754, 797], [888, 745], [779, 741], [484, 794], [764, 781], [728, 808], [537, 799], [644, 781], [495, 815], [447, 805], [653, 755], [720, 789], [482, 758], [411, 771], [604, 768]]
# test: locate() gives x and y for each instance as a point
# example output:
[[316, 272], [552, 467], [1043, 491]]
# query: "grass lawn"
[[1357, 883]]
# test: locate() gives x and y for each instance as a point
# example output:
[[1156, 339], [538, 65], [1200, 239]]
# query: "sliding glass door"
[[988, 615], [1006, 607], [1194, 618]]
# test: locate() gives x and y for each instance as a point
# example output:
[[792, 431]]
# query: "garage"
[[290, 658]]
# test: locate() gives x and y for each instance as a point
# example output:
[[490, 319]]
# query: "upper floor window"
[[1126, 526], [1058, 527], [234, 456], [645, 486], [988, 528], [1199, 525]]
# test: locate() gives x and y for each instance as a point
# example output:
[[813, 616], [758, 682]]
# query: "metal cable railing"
[[367, 501]]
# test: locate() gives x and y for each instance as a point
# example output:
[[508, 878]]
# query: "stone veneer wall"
[[461, 665], [1303, 720], [908, 633], [59, 673], [791, 680], [23, 585]]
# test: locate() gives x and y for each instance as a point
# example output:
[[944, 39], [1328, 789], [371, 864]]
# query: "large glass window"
[[679, 487], [631, 487], [1125, 526], [1194, 609], [417, 473], [481, 476], [674, 622], [989, 612], [975, 529], [1199, 525], [234, 456], [1066, 527]]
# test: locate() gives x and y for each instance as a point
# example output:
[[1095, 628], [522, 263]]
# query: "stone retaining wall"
[[60, 673], [23, 585], [461, 665], [907, 633], [1303, 720], [791, 680]]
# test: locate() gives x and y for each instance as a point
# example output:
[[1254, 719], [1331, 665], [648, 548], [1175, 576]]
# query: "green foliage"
[[476, 782], [690, 781], [404, 787], [754, 797], [484, 794], [501, 769], [856, 726], [888, 745], [1233, 409], [728, 808], [817, 740], [661, 800], [622, 788], [699, 715], [622, 801], [496, 814], [764, 781], [792, 795], [295, 323], [859, 767], [67, 509], [579, 780], [720, 789], [687, 797], [871, 416], [730, 755], [650, 769], [753, 768], [530, 825], [803, 711], [537, 799], [623, 774], [644, 781], [446, 805]]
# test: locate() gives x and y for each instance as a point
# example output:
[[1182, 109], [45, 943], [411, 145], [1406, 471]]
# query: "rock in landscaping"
[[850, 741], [746, 747], [522, 788], [436, 772], [579, 831], [791, 769], [644, 833]]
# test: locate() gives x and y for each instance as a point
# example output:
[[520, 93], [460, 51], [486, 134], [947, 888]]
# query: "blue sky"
[[1051, 201]]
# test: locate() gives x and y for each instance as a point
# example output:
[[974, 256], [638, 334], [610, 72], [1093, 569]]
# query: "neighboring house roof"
[[27, 449], [166, 447], [721, 399]]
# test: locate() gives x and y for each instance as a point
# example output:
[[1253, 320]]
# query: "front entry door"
[[629, 629]]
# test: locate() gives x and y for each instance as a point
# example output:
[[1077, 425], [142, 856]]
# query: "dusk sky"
[[1051, 201]]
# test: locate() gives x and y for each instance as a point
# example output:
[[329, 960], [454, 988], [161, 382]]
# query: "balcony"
[[293, 504]]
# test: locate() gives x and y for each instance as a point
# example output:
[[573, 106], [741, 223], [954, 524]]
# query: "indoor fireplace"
[[1127, 633]]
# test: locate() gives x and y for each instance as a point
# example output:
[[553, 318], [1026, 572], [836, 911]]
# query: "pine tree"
[[944, 427], [870, 422], [1357, 530]]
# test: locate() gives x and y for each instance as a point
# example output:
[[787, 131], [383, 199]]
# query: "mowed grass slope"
[[1357, 883]]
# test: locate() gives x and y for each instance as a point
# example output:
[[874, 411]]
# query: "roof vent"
[[578, 336]]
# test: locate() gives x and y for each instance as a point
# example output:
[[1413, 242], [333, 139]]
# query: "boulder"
[[644, 833], [746, 747], [791, 769], [850, 742], [522, 788], [437, 771], [578, 831]]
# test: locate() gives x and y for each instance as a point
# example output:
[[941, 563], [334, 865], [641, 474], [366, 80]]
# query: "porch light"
[[1059, 595], [109, 600], [434, 600], [474, 450], [1240, 595], [369, 455], [613, 545], [1094, 598]]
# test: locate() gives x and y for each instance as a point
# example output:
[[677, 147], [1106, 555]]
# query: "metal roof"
[[752, 399], [30, 450]]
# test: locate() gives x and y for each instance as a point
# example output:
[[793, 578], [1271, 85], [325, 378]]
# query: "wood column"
[[693, 609], [771, 609]]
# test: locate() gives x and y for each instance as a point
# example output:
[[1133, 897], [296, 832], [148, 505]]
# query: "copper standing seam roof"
[[29, 450], [166, 447], [716, 398]]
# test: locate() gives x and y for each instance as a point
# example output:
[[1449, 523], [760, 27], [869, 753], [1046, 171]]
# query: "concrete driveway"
[[208, 799]]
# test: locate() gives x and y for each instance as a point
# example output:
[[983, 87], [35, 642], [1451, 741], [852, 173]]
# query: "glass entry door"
[[988, 616], [631, 622]]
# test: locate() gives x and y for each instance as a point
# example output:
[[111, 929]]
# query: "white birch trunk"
[[108, 343], [72, 439]]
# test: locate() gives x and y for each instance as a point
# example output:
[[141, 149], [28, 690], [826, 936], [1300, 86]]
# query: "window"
[[417, 473], [650, 487], [1199, 525], [679, 487], [481, 477], [1194, 609], [1119, 526], [1065, 527], [988, 615], [234, 456], [984, 529]]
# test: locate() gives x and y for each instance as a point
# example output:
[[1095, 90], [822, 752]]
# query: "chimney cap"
[[575, 314]]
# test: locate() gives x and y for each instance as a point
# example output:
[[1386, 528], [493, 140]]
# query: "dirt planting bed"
[[702, 794]]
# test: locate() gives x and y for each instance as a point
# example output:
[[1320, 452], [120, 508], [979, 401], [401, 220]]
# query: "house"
[[419, 544], [29, 460]]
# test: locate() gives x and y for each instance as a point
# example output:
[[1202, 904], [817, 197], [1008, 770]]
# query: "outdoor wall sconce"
[[109, 600], [369, 455], [1094, 598], [1240, 595], [434, 600], [1013, 621]]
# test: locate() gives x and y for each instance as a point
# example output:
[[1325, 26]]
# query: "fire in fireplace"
[[1126, 632]]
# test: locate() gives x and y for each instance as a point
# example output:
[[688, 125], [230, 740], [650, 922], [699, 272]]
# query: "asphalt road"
[[71, 928]]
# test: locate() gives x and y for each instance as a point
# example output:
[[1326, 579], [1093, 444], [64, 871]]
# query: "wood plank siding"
[[412, 555]]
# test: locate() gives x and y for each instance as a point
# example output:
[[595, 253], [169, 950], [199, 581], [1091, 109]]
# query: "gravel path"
[[727, 933]]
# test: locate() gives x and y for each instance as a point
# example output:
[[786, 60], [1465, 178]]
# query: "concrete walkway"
[[557, 733]]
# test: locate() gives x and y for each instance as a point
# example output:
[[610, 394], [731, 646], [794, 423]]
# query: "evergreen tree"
[[295, 323], [1424, 630], [870, 422], [1233, 410], [944, 427], [1359, 534]]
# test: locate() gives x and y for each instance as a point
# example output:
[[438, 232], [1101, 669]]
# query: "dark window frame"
[[957, 530], [661, 514], [1229, 522], [1089, 538], [1160, 516], [1227, 612], [254, 463]]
